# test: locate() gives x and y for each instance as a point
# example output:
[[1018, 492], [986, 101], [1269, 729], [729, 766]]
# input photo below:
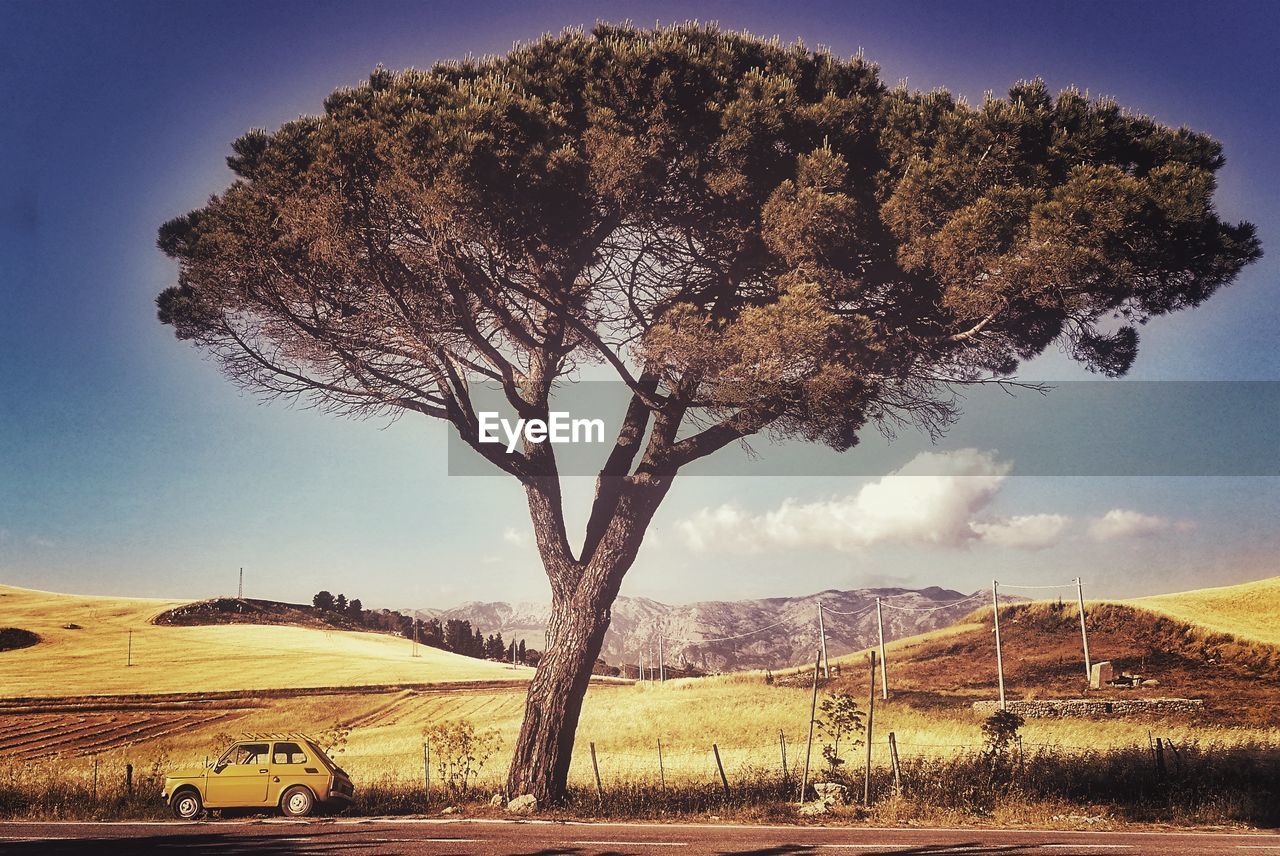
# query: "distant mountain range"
[[725, 636]]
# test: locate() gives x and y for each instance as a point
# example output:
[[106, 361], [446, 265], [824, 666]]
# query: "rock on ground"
[[831, 792], [813, 809], [524, 804]]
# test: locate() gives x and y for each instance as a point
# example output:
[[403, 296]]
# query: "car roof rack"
[[275, 735]]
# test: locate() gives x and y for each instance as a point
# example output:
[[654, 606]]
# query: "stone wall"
[[1091, 708]]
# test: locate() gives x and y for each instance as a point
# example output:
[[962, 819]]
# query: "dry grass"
[[1248, 611], [91, 660], [625, 722], [934, 677], [1074, 767]]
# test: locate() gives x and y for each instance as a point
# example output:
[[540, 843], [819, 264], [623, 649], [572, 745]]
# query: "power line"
[[1059, 586], [947, 605], [738, 636], [856, 612]]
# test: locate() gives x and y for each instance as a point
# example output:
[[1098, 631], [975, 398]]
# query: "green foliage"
[[1000, 732], [459, 753], [841, 719], [781, 237], [333, 740], [999, 736]]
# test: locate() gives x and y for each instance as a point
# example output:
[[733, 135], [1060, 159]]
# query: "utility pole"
[[240, 591], [995, 612], [1084, 633], [662, 655], [822, 636], [415, 633], [884, 677], [129, 656]]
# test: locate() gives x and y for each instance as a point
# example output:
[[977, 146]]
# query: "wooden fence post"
[[662, 773], [426, 771], [95, 778], [897, 766], [723, 779], [1177, 756], [871, 718], [813, 712], [782, 742], [128, 779], [596, 767]]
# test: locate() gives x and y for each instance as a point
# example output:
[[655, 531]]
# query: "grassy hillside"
[[84, 646], [1248, 610], [1238, 679], [933, 678]]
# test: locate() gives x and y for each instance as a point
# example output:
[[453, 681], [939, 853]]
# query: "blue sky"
[[128, 465]]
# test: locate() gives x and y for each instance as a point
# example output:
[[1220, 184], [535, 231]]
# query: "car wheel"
[[297, 802], [187, 805]]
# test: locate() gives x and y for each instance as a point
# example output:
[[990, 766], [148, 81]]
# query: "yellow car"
[[288, 771]]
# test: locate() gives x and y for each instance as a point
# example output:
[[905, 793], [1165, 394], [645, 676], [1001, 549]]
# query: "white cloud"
[[1024, 531], [933, 500], [1126, 523], [515, 537]]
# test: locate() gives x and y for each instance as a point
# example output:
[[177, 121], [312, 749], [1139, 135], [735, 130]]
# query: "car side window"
[[288, 753], [250, 753]]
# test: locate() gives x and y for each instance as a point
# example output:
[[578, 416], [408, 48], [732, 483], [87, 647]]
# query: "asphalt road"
[[448, 838]]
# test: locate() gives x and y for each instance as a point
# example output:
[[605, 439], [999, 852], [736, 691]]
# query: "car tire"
[[297, 802], [186, 804]]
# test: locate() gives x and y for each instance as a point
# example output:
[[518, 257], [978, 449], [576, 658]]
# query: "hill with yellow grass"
[[1247, 611], [383, 698], [109, 646]]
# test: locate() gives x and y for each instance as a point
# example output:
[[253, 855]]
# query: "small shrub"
[[841, 720], [334, 740], [999, 733], [460, 753]]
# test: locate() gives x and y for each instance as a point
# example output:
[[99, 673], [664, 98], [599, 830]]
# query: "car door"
[[242, 780], [291, 764]]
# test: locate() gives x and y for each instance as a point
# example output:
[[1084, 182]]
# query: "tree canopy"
[[760, 231]]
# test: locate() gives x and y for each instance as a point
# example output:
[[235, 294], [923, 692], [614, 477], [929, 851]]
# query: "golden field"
[[91, 660], [625, 723], [934, 678], [1248, 611]]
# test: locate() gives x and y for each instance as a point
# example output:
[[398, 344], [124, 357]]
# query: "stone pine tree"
[[752, 237]]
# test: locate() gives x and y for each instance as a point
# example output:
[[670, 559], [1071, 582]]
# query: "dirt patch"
[[12, 638]]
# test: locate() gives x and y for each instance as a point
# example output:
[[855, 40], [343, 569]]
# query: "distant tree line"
[[456, 635]]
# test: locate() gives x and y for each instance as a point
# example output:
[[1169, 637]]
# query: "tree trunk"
[[581, 604], [545, 747]]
